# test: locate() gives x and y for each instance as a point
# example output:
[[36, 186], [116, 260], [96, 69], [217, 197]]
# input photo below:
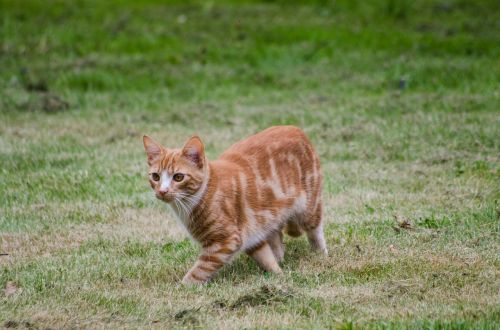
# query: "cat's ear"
[[153, 149], [194, 151]]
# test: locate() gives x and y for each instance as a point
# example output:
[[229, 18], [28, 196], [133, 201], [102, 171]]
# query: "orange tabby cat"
[[241, 202]]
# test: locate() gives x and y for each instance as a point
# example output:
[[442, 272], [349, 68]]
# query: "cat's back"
[[270, 143]]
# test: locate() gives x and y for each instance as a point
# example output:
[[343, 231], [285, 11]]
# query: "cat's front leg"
[[264, 256], [212, 258]]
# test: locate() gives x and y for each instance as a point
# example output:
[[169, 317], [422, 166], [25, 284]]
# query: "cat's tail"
[[293, 229]]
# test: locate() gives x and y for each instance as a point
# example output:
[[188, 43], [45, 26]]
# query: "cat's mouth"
[[166, 197]]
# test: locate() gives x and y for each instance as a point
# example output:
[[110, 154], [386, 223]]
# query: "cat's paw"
[[190, 280]]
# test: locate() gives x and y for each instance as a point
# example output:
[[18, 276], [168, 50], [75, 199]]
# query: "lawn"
[[400, 98]]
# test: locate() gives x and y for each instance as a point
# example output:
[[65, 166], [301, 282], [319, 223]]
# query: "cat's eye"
[[178, 177], [155, 177]]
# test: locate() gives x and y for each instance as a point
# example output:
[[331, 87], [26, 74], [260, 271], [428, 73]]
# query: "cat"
[[243, 201]]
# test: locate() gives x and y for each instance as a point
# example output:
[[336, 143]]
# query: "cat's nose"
[[163, 192]]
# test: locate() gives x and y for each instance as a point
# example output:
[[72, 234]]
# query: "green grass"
[[400, 98]]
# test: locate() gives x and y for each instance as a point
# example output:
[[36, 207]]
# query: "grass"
[[400, 99]]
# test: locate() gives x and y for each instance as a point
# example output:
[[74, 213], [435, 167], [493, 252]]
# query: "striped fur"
[[243, 201]]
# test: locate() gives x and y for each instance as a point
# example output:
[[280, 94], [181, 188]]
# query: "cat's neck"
[[184, 208]]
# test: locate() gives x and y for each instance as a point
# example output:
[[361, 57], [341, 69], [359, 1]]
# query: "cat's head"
[[175, 173]]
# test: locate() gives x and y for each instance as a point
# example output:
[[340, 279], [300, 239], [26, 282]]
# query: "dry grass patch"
[[141, 225]]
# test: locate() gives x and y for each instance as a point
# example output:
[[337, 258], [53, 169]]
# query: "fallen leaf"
[[405, 224]]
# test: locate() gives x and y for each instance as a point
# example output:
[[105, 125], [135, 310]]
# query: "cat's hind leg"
[[310, 223], [264, 256], [314, 231], [275, 241], [317, 239], [292, 227]]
